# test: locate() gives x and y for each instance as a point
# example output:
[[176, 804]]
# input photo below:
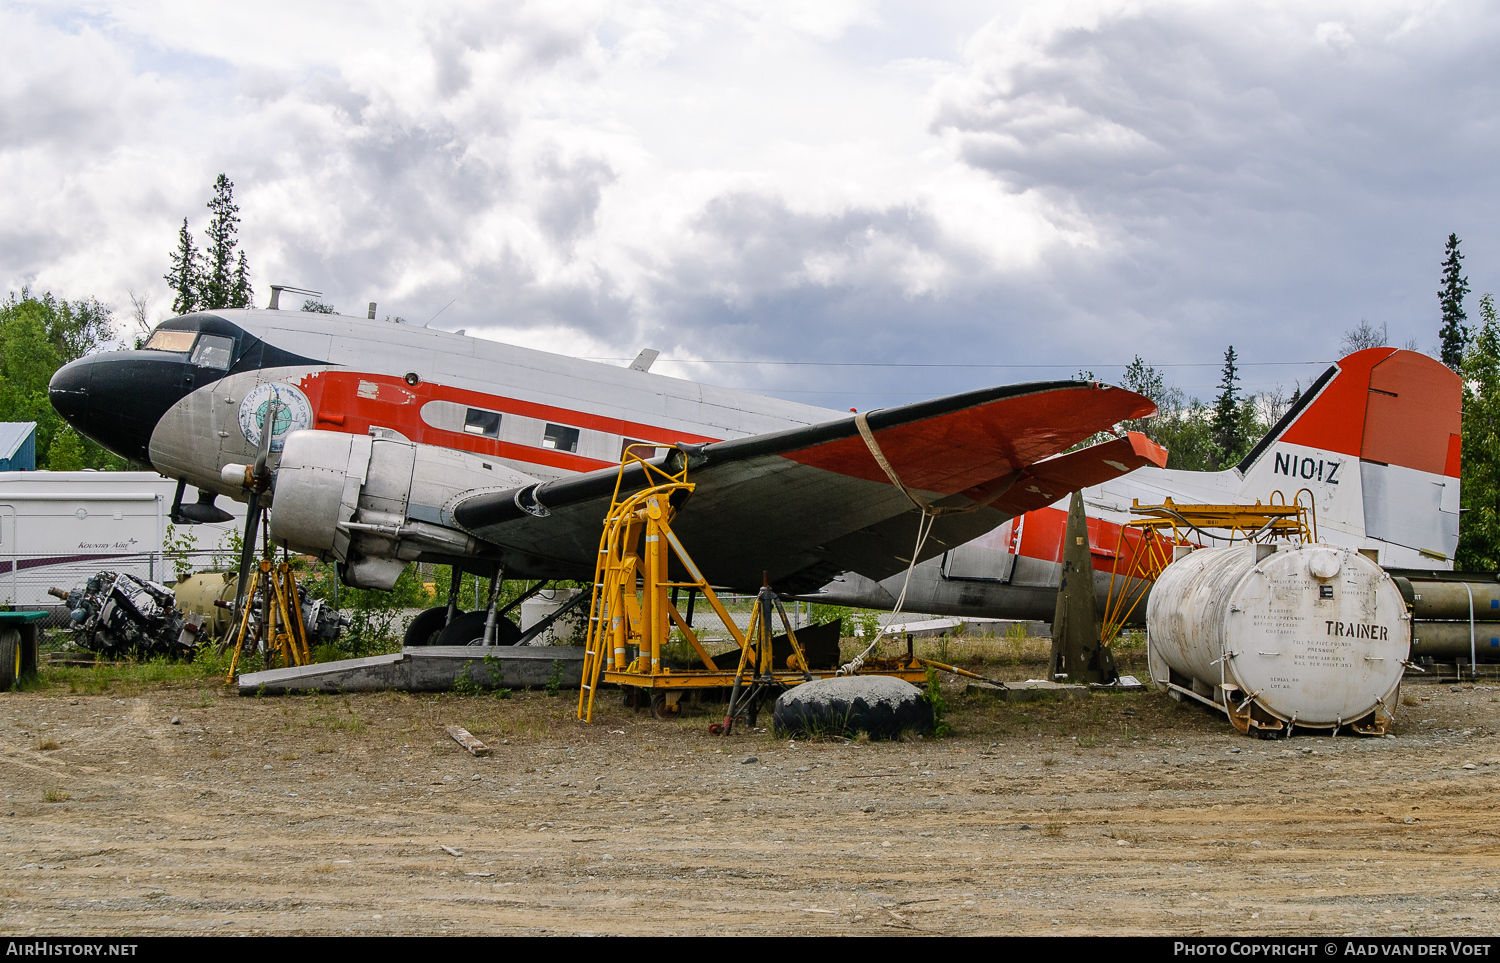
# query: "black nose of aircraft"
[[117, 397]]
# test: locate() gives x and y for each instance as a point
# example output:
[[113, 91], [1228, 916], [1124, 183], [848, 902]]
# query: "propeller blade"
[[267, 426], [253, 509], [247, 551]]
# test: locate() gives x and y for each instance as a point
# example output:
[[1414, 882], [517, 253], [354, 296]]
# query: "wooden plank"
[[466, 739]]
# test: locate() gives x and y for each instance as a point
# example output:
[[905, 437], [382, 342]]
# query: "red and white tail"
[[1377, 442]]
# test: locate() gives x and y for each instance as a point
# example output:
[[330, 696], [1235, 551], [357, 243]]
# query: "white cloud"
[[1067, 182]]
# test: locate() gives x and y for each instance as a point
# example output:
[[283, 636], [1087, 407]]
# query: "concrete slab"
[[1033, 690], [434, 668]]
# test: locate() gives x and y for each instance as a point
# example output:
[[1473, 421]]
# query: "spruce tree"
[[219, 274], [243, 293], [1228, 432], [183, 276], [1454, 332]]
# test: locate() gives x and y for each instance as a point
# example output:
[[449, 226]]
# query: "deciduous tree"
[[1479, 527]]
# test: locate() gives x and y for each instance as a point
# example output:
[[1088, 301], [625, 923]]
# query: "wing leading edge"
[[806, 504]]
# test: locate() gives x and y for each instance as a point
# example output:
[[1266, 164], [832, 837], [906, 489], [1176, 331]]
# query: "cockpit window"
[[213, 351], [164, 340]]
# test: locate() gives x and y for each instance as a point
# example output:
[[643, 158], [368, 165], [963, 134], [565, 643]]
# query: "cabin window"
[[484, 423], [560, 437], [164, 340], [213, 351], [643, 449]]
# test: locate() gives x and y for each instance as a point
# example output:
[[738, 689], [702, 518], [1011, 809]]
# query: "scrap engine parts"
[[122, 615]]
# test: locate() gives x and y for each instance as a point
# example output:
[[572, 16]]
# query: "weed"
[[346, 723], [554, 680], [945, 649], [56, 796], [1015, 640], [205, 700], [1410, 700], [217, 754], [1052, 829], [933, 696], [867, 625], [48, 744], [465, 685], [1087, 742], [1049, 761], [289, 756]]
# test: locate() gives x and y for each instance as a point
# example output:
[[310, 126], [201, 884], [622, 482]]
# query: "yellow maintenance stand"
[[632, 615], [280, 626], [1145, 546]]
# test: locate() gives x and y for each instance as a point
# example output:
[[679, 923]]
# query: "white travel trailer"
[[59, 527]]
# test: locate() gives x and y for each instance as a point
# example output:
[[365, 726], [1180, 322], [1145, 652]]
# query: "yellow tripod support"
[[281, 628], [631, 614]]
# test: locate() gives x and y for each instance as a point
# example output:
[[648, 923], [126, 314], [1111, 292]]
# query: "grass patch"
[[56, 796], [1052, 829], [131, 677], [48, 744], [348, 722]]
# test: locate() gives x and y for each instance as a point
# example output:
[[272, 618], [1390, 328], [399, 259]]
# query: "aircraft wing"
[[806, 504]]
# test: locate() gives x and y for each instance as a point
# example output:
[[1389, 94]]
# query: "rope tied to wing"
[[862, 422], [929, 517]]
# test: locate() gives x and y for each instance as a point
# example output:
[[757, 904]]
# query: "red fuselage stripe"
[[354, 402]]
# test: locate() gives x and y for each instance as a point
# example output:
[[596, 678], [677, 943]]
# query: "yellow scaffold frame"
[[631, 614], [1169, 525], [281, 627]]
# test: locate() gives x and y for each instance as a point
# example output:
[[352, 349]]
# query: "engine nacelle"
[[377, 503]]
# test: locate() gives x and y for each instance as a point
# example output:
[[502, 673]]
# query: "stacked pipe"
[[1441, 606]]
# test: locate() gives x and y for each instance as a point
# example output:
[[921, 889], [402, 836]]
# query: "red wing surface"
[[806, 504]]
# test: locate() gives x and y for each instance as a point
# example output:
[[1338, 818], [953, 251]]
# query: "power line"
[[962, 364]]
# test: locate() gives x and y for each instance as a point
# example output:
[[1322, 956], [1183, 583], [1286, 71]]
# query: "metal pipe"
[[492, 609], [455, 585], [1473, 649]]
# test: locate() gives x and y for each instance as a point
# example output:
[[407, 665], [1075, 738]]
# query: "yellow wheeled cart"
[[632, 615]]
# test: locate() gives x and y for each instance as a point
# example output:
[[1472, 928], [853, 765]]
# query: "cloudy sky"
[[1025, 189]]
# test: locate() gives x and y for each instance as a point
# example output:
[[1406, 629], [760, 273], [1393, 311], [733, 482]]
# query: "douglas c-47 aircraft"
[[390, 443]]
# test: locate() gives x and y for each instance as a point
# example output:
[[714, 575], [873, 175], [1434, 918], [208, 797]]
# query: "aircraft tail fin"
[[1383, 424]]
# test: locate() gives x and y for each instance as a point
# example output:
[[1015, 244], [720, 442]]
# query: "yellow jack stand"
[[281, 630], [632, 616]]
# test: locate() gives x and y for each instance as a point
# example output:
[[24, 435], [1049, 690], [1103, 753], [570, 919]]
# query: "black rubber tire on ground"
[[424, 629], [882, 706], [10, 658], [661, 708], [469, 627]]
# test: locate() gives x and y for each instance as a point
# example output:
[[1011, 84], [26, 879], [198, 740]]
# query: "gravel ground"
[[357, 814]]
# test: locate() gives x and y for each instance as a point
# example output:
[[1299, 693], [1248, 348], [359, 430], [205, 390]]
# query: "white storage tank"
[[568, 630], [1312, 635]]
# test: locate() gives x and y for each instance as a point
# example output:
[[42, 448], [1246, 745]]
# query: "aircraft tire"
[[10, 658], [469, 627], [424, 629], [883, 706]]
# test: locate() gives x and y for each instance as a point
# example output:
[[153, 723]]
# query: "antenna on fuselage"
[[276, 290], [440, 311]]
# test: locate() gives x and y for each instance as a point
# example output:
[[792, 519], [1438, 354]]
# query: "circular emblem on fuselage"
[[293, 412]]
